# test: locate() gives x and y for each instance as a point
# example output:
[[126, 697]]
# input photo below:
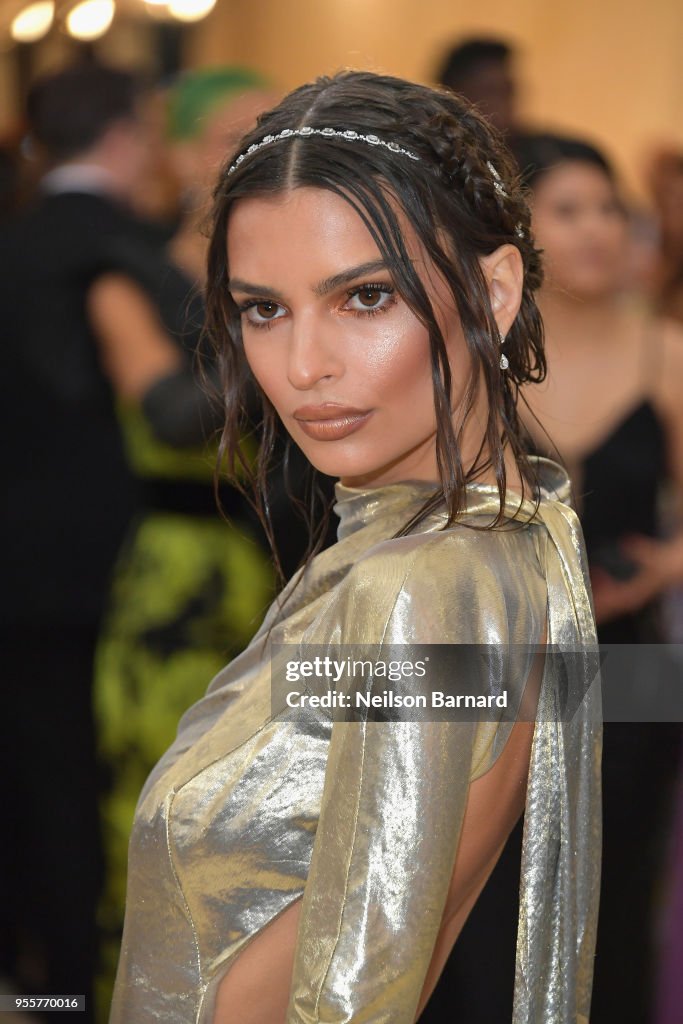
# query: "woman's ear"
[[504, 273]]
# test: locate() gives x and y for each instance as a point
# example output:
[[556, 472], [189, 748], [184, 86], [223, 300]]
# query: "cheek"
[[262, 361], [561, 244], [397, 360], [617, 236]]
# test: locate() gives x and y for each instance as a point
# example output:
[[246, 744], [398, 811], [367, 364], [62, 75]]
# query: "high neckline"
[[357, 506]]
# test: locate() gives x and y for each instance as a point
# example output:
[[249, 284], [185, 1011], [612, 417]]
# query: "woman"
[[665, 181], [620, 442], [368, 254], [612, 405]]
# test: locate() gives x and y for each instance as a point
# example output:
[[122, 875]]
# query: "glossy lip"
[[330, 422]]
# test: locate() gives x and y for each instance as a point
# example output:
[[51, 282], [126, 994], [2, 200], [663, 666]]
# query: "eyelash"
[[383, 288], [244, 307]]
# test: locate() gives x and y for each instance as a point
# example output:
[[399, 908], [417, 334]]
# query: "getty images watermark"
[[483, 682], [424, 682], [336, 672]]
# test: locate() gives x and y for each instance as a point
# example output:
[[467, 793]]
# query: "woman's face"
[[341, 357], [579, 225]]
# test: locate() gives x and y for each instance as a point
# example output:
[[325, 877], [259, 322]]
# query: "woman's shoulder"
[[465, 544], [460, 584]]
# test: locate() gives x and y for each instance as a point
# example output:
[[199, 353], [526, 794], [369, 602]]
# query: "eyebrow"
[[322, 288], [346, 276]]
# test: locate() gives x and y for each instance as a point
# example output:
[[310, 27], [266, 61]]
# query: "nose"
[[313, 355]]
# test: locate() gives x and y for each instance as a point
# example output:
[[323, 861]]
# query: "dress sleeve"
[[392, 810]]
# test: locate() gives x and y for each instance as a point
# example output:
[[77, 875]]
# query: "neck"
[[104, 168]]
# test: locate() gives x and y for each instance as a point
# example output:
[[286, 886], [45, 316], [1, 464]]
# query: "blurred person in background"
[[69, 499], [595, 333], [482, 70], [10, 181], [208, 112], [665, 178], [189, 588], [612, 406]]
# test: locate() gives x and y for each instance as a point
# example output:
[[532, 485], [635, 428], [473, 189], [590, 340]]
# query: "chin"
[[342, 469], [335, 459], [354, 471]]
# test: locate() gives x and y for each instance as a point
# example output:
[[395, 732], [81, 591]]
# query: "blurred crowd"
[[125, 589]]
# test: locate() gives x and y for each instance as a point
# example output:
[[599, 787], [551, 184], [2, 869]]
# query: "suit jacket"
[[69, 492]]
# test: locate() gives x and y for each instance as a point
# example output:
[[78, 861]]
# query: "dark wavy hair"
[[69, 111], [538, 153], [450, 198]]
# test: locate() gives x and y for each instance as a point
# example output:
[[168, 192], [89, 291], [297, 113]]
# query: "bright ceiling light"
[[156, 3], [33, 22], [190, 10], [90, 19]]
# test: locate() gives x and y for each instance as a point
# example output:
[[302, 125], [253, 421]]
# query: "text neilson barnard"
[[389, 699]]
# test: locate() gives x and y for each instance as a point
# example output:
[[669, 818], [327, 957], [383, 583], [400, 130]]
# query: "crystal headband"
[[349, 135], [352, 136]]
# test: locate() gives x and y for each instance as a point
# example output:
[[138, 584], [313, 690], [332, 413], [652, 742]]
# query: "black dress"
[[621, 483]]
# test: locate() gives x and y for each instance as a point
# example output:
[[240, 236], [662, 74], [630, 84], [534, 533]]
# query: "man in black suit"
[[69, 498], [483, 71]]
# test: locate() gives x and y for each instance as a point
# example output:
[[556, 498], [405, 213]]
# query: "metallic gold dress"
[[247, 811]]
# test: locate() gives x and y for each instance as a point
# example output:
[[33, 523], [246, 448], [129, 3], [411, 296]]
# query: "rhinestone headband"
[[352, 136], [305, 132]]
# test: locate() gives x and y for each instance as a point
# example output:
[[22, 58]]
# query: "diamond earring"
[[504, 361]]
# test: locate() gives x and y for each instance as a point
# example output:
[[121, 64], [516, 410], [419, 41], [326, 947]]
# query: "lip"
[[330, 422]]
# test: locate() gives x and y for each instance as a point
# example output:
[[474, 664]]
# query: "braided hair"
[[463, 199]]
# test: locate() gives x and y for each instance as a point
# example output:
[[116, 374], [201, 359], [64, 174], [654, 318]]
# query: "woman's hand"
[[660, 566]]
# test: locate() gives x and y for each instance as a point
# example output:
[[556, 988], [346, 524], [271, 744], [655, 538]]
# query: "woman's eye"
[[566, 211], [261, 313], [266, 310], [370, 298]]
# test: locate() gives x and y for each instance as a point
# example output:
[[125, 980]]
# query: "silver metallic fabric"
[[247, 812]]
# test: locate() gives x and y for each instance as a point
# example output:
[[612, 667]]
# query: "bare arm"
[[136, 351]]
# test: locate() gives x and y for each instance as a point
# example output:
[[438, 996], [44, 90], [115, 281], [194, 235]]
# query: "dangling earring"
[[504, 361]]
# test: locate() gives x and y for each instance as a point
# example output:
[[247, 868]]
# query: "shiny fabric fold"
[[248, 811], [560, 872]]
